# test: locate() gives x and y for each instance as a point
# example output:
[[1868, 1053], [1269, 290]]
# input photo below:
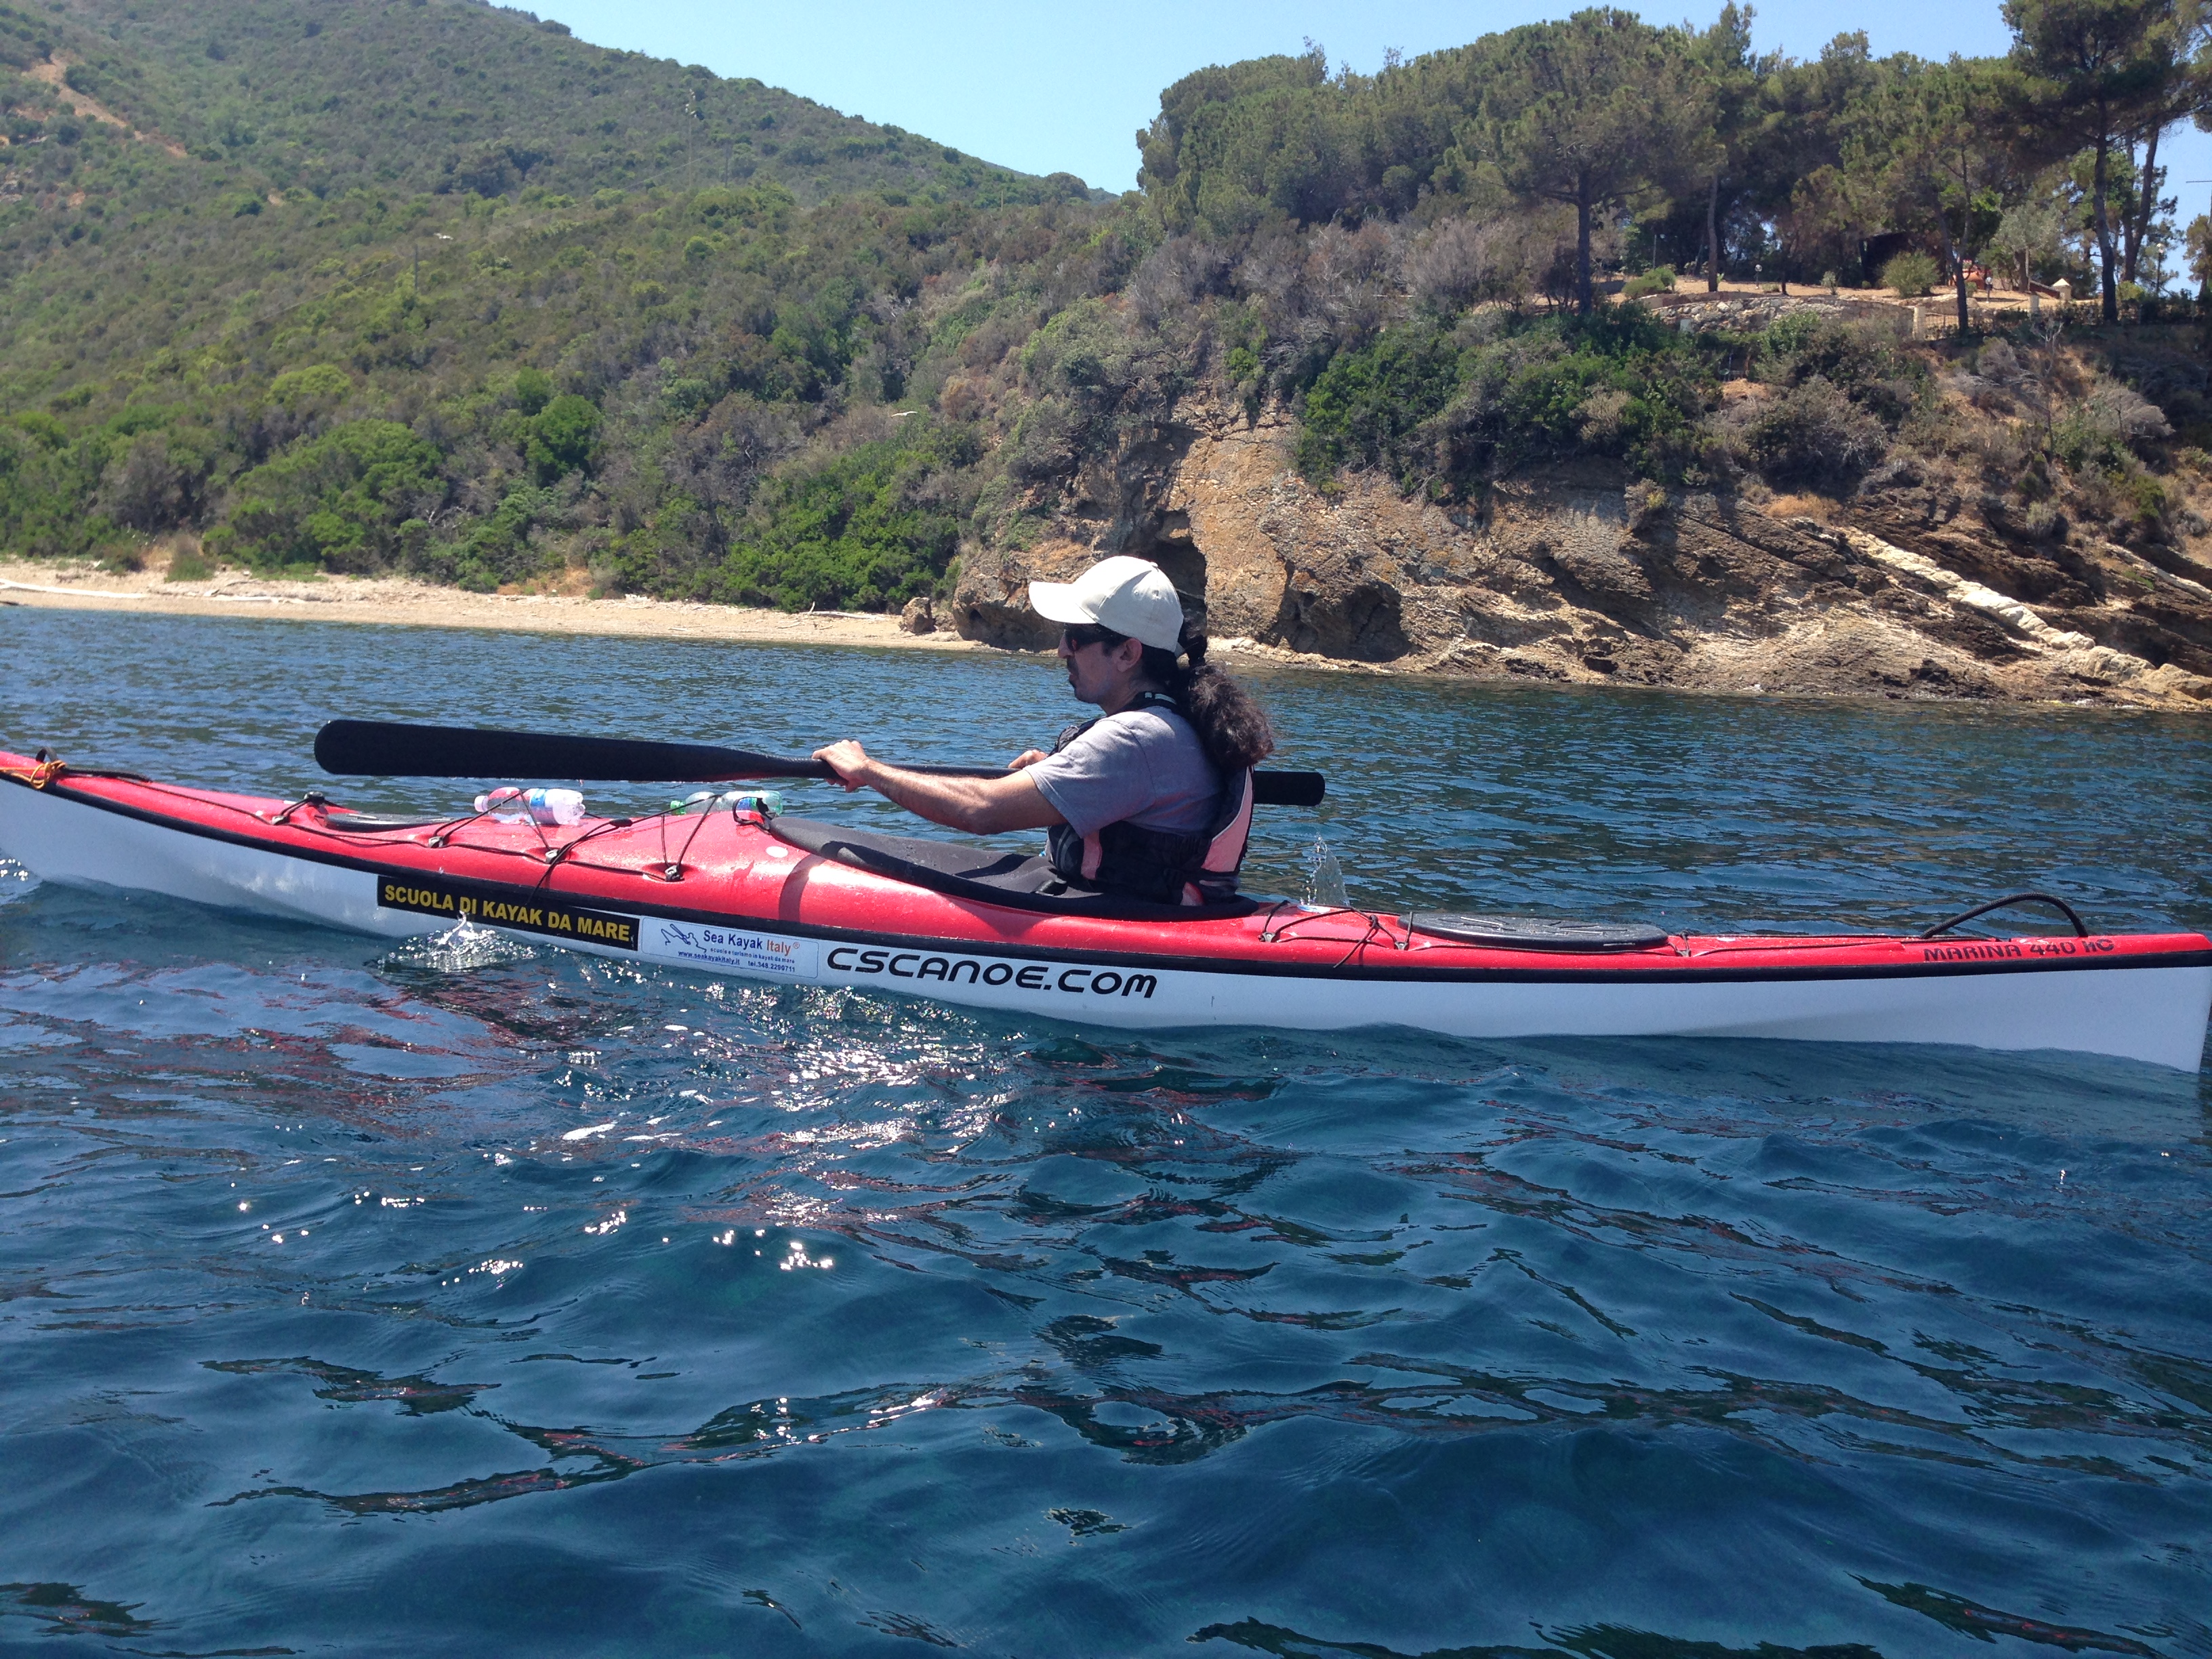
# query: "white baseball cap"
[[1130, 596]]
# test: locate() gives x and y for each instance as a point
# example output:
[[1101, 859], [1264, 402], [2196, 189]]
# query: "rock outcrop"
[[1580, 573]]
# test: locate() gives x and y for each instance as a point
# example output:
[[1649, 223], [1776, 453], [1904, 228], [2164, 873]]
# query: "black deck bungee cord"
[[2081, 928]]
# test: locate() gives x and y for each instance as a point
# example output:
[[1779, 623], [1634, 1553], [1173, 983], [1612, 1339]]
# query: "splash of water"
[[1324, 884], [461, 949]]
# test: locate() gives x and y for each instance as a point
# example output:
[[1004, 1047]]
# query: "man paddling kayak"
[[1151, 800]]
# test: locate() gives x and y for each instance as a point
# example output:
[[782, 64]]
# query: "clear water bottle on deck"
[[557, 805], [547, 806]]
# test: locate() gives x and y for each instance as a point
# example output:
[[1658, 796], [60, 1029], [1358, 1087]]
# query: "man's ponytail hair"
[[1228, 719]]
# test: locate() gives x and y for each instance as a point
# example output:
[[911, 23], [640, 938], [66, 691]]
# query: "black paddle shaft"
[[387, 749]]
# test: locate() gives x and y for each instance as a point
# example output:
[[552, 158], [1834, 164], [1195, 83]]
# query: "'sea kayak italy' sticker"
[[533, 914], [739, 950]]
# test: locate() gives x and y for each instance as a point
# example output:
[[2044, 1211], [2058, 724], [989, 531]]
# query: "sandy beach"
[[397, 601], [390, 600]]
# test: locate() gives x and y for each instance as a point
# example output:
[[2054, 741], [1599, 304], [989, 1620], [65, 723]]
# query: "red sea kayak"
[[792, 902]]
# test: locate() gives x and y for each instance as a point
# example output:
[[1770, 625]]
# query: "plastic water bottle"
[[766, 803], [557, 805], [547, 806], [1324, 880]]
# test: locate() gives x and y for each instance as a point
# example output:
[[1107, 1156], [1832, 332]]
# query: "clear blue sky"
[[1063, 88]]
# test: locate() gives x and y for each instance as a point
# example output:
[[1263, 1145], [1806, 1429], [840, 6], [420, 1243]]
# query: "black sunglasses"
[[1075, 639]]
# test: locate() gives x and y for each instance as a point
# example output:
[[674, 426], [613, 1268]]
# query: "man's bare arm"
[[981, 806]]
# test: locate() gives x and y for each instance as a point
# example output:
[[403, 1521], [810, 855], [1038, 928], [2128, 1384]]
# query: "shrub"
[[2127, 415], [1814, 434], [497, 549], [1464, 261], [1861, 362], [533, 390], [1366, 402], [317, 383], [2153, 503], [1447, 410], [564, 436], [186, 564], [143, 488], [869, 529], [1042, 444], [1659, 279], [335, 502], [1088, 352], [1092, 376], [1911, 273], [48, 432], [2102, 429]]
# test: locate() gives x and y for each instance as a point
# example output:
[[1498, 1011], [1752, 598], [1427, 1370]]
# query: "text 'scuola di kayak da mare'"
[[738, 889]]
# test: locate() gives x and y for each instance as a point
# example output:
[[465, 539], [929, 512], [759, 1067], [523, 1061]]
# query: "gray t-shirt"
[[1143, 766]]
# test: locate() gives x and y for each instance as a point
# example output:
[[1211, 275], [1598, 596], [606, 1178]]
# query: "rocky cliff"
[[1580, 573]]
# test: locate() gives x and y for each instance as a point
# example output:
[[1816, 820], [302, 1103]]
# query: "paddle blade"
[[1288, 788], [387, 749]]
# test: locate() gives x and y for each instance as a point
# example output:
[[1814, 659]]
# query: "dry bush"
[[1462, 262], [143, 489], [2120, 413], [1999, 364], [1349, 282], [1809, 434], [720, 461], [1173, 276]]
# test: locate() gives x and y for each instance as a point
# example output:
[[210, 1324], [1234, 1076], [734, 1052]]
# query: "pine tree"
[[1584, 113], [2096, 71]]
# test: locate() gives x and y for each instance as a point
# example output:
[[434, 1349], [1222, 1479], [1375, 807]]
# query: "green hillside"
[[452, 96], [433, 287], [245, 246]]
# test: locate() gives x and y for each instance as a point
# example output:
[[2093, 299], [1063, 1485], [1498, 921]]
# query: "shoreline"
[[393, 601], [388, 601]]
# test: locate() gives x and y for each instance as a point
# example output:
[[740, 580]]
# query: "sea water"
[[469, 1297]]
